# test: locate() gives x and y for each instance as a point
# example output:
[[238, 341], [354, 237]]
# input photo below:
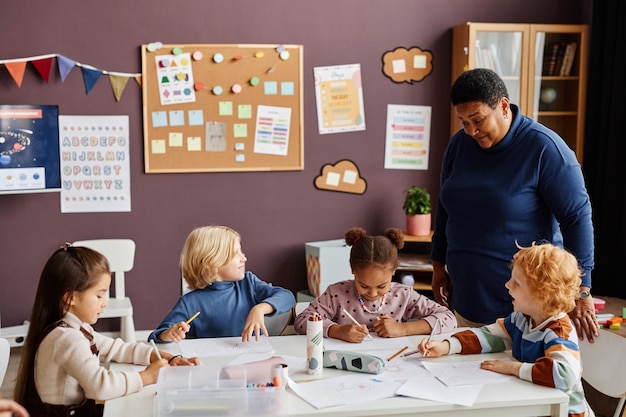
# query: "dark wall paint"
[[276, 212]]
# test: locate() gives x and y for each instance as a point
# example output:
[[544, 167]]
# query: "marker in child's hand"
[[158, 354], [192, 317]]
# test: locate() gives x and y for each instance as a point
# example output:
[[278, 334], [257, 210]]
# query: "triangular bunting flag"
[[43, 67], [16, 69], [138, 79], [118, 82], [65, 66], [91, 77]]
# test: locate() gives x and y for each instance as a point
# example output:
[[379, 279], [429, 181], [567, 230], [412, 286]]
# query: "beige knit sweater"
[[66, 371]]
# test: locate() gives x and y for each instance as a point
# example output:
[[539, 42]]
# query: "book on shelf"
[[550, 56], [559, 58], [568, 59]]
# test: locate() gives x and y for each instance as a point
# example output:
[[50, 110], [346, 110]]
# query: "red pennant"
[[16, 69], [43, 67]]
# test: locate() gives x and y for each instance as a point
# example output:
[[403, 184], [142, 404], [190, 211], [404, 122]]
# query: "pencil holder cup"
[[314, 347]]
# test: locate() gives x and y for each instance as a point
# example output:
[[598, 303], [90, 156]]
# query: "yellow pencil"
[[192, 317], [397, 353]]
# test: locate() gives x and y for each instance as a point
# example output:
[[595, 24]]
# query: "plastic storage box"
[[185, 391]]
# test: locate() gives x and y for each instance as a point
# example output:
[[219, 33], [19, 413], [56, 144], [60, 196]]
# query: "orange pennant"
[[16, 69], [118, 82], [138, 79], [43, 67]]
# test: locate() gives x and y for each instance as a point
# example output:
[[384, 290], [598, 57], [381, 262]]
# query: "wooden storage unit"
[[516, 52], [415, 259]]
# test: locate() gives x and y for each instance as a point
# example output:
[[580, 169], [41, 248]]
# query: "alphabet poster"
[[95, 167]]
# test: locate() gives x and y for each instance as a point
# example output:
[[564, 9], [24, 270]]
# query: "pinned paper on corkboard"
[[407, 65], [343, 176]]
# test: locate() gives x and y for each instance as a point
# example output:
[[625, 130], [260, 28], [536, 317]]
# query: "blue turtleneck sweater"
[[224, 307], [528, 187]]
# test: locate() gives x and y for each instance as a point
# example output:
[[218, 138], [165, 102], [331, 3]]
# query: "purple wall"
[[276, 212]]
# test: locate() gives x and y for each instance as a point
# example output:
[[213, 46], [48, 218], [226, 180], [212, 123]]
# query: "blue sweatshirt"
[[224, 307], [528, 187]]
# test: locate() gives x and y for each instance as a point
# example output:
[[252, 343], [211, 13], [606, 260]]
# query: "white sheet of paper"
[[349, 389], [463, 373], [427, 387], [207, 347], [376, 343]]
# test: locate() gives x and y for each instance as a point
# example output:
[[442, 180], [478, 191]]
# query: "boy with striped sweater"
[[544, 285]]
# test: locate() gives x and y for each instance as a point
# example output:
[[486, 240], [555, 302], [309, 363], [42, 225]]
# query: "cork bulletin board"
[[222, 108]]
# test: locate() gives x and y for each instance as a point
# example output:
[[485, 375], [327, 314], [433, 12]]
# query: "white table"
[[511, 399]]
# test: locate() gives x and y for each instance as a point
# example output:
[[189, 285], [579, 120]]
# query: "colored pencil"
[[155, 349], [192, 317], [432, 332], [355, 322], [397, 353]]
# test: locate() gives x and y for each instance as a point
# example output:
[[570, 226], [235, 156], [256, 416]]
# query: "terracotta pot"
[[418, 225]]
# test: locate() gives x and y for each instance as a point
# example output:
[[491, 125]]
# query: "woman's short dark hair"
[[480, 84]]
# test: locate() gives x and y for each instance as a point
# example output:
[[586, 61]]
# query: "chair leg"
[[620, 408], [127, 329]]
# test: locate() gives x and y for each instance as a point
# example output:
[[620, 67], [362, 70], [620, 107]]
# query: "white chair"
[[121, 256], [604, 367], [5, 352], [275, 325], [16, 335], [299, 307]]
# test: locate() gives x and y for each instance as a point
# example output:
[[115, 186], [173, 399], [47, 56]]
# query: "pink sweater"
[[401, 303]]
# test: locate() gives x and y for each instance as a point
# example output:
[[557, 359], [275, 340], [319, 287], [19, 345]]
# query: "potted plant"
[[418, 209]]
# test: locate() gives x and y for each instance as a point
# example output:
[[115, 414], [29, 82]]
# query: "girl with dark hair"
[[388, 308], [62, 370]]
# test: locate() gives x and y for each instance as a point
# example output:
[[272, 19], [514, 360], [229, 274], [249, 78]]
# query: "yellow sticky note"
[[240, 130], [226, 108], [244, 111], [194, 143], [158, 146], [175, 139]]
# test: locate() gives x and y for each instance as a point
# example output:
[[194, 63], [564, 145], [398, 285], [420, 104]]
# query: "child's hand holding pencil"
[[178, 331]]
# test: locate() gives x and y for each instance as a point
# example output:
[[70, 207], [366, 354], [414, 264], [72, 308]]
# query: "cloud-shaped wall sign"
[[343, 177], [407, 65]]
